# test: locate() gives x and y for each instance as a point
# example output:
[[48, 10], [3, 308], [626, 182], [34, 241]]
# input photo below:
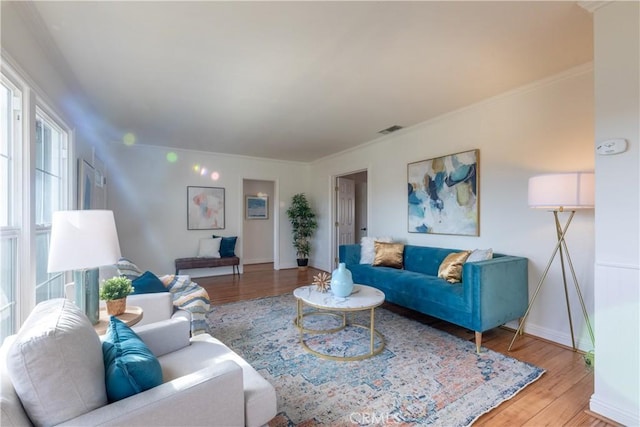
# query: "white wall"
[[44, 70], [258, 233], [544, 127], [617, 278], [148, 195]]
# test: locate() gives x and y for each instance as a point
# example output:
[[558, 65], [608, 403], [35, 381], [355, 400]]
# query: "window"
[[10, 140], [51, 195], [32, 139]]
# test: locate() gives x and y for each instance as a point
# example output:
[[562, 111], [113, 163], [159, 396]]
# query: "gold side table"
[[131, 316]]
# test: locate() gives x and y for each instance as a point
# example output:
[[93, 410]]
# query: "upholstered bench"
[[206, 262]]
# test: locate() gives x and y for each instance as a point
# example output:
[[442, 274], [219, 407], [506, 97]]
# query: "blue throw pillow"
[[130, 367], [227, 246], [148, 283]]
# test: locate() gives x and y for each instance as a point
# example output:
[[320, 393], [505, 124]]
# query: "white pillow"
[[480, 255], [209, 248], [368, 250], [56, 364]]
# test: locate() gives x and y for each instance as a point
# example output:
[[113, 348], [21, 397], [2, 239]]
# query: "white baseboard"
[[257, 261], [613, 412], [555, 336]]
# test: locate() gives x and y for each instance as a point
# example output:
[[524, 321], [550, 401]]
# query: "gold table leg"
[[372, 331]]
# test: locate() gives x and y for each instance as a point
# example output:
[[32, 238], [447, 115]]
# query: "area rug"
[[422, 377]]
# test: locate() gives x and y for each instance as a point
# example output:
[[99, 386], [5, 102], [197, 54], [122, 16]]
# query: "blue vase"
[[341, 281]]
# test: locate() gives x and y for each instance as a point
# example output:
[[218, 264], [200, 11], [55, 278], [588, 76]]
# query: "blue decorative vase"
[[341, 281]]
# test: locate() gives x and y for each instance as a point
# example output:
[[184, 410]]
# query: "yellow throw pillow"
[[451, 268], [388, 254]]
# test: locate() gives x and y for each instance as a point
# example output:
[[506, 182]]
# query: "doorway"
[[351, 195], [259, 236]]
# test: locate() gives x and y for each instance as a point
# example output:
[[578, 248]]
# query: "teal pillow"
[[227, 246], [148, 283], [130, 367]]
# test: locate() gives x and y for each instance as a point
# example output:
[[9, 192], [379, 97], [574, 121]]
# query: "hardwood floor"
[[559, 398]]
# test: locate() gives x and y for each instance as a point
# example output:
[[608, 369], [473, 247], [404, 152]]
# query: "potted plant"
[[114, 291], [304, 224]]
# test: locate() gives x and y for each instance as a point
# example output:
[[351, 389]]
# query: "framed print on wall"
[[257, 207], [443, 195], [205, 208], [86, 184]]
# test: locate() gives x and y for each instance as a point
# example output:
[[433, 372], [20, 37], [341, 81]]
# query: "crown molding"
[[593, 5]]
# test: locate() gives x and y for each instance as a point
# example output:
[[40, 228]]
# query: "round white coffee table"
[[362, 298]]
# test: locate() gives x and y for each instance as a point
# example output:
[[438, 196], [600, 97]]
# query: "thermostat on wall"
[[611, 146]]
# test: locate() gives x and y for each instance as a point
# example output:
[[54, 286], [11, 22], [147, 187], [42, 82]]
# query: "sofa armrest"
[[498, 290], [349, 254], [182, 314], [156, 306], [165, 336], [210, 396]]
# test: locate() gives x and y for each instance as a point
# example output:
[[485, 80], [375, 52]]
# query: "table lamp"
[[561, 192], [83, 241]]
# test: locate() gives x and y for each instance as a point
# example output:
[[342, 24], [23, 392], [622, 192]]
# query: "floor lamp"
[[562, 192], [83, 241]]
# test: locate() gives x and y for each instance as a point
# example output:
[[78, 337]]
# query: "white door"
[[346, 195], [361, 210]]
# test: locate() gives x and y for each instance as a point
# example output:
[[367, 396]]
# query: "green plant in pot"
[[304, 224], [114, 292]]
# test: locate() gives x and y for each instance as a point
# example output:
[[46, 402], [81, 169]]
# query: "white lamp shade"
[[83, 239], [562, 191]]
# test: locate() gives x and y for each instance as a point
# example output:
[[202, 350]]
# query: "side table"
[[131, 316]]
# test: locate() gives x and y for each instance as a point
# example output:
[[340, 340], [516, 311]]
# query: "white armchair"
[[155, 307], [51, 373]]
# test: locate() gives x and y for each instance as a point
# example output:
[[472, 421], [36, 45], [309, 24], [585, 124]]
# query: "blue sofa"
[[492, 292]]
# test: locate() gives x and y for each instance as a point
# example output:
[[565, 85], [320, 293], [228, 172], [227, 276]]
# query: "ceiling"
[[301, 80]]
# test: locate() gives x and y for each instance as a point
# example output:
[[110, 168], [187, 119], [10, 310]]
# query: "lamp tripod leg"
[[544, 275], [579, 293], [563, 245]]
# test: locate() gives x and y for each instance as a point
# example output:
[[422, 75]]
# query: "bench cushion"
[[199, 262]]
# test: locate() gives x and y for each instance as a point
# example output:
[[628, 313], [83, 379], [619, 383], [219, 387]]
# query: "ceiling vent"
[[390, 129]]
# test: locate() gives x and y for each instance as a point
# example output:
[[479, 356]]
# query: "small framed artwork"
[[257, 207], [205, 208], [86, 184], [443, 195]]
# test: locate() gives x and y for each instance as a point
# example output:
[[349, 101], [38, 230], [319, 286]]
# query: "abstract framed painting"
[[443, 195], [205, 208], [257, 207]]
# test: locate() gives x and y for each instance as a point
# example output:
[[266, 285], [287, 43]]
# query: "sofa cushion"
[[55, 364], [388, 254], [424, 259], [129, 365], [209, 248], [148, 283], [451, 267], [227, 246], [368, 250]]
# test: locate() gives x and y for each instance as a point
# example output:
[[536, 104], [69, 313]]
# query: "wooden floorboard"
[[559, 398]]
